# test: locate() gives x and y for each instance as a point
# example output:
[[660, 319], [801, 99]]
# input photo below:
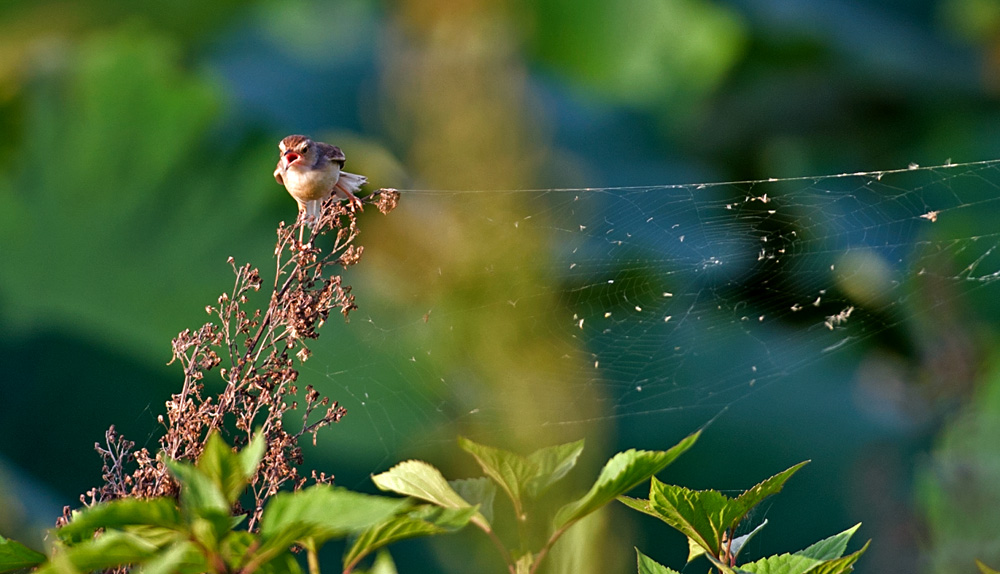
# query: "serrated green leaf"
[[14, 555], [832, 547], [984, 569], [322, 512], [510, 471], [117, 514], [649, 566], [421, 480], [640, 504], [110, 549], [423, 521], [621, 474], [804, 561], [224, 467], [754, 495], [701, 515], [477, 492], [551, 464]]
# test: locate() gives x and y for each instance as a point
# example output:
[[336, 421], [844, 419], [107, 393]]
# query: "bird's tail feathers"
[[349, 183]]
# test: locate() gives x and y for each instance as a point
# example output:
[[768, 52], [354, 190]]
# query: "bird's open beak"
[[290, 157]]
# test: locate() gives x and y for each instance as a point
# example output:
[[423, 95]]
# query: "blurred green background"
[[139, 140]]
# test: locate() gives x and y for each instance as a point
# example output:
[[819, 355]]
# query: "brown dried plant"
[[256, 352]]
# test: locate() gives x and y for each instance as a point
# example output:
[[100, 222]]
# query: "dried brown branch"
[[259, 353]]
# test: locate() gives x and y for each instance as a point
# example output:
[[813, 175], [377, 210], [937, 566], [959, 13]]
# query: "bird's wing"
[[332, 152]]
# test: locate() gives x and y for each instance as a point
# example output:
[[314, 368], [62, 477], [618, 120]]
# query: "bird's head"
[[297, 151]]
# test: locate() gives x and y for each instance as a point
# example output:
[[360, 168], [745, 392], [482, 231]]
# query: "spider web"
[[624, 304]]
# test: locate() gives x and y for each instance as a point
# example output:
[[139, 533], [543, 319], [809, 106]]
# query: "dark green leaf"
[[551, 464], [649, 566], [622, 473], [740, 541], [14, 555], [478, 492], [120, 513]]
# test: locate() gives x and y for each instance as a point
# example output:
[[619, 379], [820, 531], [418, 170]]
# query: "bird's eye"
[[305, 149]]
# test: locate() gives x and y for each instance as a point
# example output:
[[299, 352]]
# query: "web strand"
[[651, 300]]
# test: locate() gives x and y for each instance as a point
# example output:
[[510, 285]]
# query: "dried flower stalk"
[[257, 351]]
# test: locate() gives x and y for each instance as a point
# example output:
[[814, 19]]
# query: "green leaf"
[[182, 556], [840, 565], [383, 564], [322, 512], [704, 516], [509, 470], [740, 541], [694, 549], [551, 464], [701, 515], [110, 549], [118, 514], [478, 492], [753, 496], [252, 454], [425, 520], [984, 569], [241, 547], [14, 555], [227, 469], [823, 557], [649, 566], [622, 473], [200, 494], [420, 480], [832, 547]]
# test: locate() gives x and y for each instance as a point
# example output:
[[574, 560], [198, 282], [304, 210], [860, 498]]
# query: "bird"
[[311, 172]]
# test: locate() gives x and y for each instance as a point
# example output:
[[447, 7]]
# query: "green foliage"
[[14, 556], [197, 532], [709, 519], [523, 479]]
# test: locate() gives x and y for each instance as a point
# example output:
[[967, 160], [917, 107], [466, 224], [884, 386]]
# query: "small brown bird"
[[310, 171]]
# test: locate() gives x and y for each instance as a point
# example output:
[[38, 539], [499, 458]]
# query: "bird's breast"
[[310, 184]]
